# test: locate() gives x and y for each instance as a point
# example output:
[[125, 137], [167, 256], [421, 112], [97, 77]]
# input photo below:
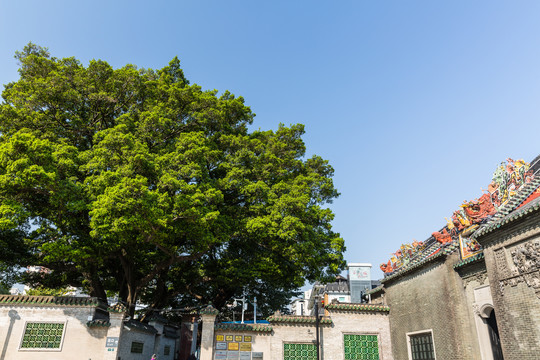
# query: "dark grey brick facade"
[[515, 292], [432, 298]]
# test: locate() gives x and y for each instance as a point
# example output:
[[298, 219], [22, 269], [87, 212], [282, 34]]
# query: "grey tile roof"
[[137, 325], [505, 214], [73, 301], [244, 327], [277, 318], [338, 286], [472, 259], [357, 307], [375, 290], [437, 254], [509, 217], [98, 323]]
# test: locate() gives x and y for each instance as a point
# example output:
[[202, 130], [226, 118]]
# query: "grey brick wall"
[[432, 298], [516, 302]]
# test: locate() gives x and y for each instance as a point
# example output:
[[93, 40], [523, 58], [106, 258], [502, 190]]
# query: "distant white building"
[[300, 306], [348, 289]]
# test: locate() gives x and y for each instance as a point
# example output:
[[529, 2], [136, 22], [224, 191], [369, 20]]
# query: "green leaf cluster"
[[137, 182]]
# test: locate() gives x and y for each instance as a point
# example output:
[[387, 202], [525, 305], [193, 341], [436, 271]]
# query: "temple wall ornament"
[[526, 259], [501, 263], [479, 277], [468, 247]]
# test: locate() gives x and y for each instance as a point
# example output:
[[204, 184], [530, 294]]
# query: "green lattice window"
[[42, 335], [361, 347], [299, 352], [166, 350]]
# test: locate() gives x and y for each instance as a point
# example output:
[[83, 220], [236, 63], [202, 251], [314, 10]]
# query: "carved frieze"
[[479, 277], [502, 265], [526, 259]]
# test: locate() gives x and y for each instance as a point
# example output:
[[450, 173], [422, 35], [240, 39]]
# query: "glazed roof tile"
[[209, 310], [374, 290], [510, 217], [244, 327], [357, 307], [505, 214], [278, 318], [437, 251], [511, 211], [98, 323], [117, 308], [472, 259], [27, 300]]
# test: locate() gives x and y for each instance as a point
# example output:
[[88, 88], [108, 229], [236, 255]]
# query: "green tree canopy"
[[134, 181]]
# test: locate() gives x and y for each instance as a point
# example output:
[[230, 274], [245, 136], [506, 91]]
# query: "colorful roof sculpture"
[[514, 184]]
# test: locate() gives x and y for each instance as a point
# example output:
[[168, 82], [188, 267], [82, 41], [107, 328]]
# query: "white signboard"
[[220, 355], [111, 342], [360, 273]]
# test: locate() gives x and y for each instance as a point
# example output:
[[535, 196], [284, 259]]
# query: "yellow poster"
[[232, 346], [238, 338], [220, 337], [247, 338], [245, 347], [229, 337]]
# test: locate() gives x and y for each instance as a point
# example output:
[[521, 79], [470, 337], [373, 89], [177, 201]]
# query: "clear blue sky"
[[414, 103]]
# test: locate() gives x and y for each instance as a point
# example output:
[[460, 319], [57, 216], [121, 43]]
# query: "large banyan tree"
[[135, 182]]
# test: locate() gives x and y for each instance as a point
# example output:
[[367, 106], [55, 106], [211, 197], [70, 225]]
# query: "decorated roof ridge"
[[209, 310], [512, 183], [472, 259], [374, 290], [436, 255], [528, 208], [523, 193], [297, 319], [243, 327], [137, 325], [512, 205], [32, 300], [357, 307], [98, 323], [535, 194], [526, 191], [117, 308], [407, 253], [433, 248]]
